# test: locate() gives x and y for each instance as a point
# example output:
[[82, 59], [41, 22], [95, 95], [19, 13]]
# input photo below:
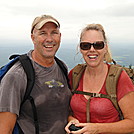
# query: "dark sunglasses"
[[87, 45]]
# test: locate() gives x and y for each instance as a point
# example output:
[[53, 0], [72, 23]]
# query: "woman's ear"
[[106, 48]]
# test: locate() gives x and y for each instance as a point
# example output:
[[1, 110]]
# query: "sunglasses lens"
[[85, 45], [99, 45]]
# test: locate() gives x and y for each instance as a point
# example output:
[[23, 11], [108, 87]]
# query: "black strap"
[[34, 114], [13, 56], [19, 129], [29, 70], [63, 68], [97, 95]]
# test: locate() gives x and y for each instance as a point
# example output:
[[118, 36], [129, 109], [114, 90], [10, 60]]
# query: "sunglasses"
[[87, 45]]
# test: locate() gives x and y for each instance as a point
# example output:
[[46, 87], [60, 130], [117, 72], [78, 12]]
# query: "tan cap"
[[41, 20]]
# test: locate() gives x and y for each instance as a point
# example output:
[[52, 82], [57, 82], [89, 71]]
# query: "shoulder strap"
[[111, 85], [29, 70], [76, 75], [129, 70], [63, 68]]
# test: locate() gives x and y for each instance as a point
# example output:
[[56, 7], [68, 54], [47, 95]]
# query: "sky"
[[116, 16]]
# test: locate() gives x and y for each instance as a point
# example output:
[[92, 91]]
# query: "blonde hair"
[[98, 27]]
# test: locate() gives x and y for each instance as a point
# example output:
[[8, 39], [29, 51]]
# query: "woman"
[[104, 118]]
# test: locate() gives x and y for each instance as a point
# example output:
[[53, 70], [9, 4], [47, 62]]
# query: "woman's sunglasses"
[[87, 45]]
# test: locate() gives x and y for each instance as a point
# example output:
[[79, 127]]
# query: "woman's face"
[[93, 57]]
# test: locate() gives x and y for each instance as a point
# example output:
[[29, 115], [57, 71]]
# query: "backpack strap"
[[129, 70], [111, 85], [63, 68], [76, 75], [29, 70], [92, 95], [96, 95]]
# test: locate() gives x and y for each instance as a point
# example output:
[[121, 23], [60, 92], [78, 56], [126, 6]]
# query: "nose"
[[49, 38], [92, 48]]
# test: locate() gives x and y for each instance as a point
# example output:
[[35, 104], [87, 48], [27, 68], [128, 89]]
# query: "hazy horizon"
[[123, 54]]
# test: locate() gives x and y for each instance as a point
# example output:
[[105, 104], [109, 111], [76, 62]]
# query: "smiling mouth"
[[49, 46], [93, 57]]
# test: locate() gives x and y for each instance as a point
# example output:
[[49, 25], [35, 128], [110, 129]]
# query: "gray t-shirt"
[[50, 93]]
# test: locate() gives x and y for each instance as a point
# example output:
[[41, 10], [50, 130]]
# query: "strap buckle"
[[113, 96], [96, 95]]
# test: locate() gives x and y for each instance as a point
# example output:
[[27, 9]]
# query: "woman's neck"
[[96, 71]]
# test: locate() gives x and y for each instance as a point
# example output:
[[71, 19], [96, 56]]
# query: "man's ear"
[[32, 37]]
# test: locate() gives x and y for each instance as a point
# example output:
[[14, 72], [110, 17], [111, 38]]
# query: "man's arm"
[[7, 122]]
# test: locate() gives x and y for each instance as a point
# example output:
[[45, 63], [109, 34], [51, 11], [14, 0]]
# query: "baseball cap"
[[41, 20]]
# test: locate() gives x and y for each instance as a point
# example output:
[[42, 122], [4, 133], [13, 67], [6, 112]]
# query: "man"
[[50, 92]]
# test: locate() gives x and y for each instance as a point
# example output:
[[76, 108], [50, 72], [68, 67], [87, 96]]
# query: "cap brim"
[[42, 23]]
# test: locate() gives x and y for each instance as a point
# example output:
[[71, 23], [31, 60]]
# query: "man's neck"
[[43, 61]]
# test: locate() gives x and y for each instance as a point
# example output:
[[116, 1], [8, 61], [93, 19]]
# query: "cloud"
[[121, 10], [117, 17]]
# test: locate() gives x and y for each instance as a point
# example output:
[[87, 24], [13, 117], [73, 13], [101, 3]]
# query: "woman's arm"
[[124, 126]]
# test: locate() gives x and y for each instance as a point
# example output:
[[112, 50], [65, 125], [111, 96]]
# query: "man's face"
[[46, 40]]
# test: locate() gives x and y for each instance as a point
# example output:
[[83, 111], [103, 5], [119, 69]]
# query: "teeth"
[[92, 57], [48, 46]]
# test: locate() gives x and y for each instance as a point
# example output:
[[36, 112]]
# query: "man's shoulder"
[[15, 72]]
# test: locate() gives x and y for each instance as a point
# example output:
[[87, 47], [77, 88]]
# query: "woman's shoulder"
[[124, 85]]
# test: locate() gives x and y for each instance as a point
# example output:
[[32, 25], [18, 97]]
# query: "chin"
[[92, 64], [48, 56]]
